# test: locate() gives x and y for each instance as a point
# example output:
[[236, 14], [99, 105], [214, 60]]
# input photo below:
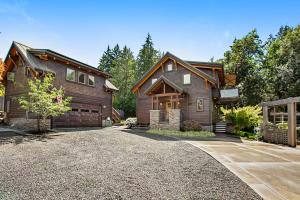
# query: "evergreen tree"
[[106, 60], [147, 57], [124, 78]]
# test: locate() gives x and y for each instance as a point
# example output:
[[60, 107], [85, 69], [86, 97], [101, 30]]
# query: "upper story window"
[[154, 80], [91, 80], [187, 79], [70, 74], [81, 77], [169, 67]]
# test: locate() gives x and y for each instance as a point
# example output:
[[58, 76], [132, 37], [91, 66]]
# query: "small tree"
[[44, 100]]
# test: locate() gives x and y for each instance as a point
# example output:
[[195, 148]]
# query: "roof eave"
[[55, 54]]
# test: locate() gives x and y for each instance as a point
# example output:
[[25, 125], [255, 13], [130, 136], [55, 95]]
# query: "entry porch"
[[166, 102]]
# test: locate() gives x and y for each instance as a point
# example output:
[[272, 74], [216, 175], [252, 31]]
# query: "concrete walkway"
[[273, 171]]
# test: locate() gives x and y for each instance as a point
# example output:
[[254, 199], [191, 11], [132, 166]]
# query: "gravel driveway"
[[112, 163]]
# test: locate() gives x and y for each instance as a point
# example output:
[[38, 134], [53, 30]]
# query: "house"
[[174, 91], [89, 87]]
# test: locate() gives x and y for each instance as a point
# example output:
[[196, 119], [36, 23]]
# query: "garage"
[[81, 115]]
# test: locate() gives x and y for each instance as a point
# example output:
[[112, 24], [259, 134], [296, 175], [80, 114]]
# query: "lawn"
[[182, 134]]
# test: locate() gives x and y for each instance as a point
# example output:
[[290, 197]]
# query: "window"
[[154, 80], [91, 80], [95, 111], [75, 109], [70, 74], [186, 79], [84, 110], [81, 77], [169, 67]]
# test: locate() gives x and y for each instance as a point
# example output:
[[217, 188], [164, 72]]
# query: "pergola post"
[[292, 124], [265, 118]]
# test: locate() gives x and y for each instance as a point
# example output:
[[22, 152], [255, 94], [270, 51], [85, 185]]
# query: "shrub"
[[244, 118], [191, 125], [131, 122], [282, 125]]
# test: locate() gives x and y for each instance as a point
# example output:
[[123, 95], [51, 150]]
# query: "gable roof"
[[186, 65], [29, 56], [160, 80]]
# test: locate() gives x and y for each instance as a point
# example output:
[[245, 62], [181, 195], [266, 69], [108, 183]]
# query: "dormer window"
[[154, 80], [170, 67]]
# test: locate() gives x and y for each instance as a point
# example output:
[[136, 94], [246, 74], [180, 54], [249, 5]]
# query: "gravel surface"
[[113, 163]]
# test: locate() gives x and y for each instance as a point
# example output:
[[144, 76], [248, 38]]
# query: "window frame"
[[67, 74], [84, 75], [88, 80], [169, 65], [190, 79]]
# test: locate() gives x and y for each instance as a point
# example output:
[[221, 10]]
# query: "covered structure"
[[277, 134]]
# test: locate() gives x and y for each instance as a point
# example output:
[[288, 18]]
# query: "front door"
[[168, 108]]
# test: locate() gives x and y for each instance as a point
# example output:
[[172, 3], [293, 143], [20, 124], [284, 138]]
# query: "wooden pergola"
[[292, 116]]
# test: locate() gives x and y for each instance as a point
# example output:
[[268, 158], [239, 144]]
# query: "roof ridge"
[[19, 43]]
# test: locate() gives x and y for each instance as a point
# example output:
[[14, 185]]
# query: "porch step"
[[220, 127]]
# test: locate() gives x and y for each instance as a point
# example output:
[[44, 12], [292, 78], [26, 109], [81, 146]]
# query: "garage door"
[[81, 115]]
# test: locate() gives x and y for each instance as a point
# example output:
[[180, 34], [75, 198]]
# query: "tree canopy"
[[147, 57], [43, 99]]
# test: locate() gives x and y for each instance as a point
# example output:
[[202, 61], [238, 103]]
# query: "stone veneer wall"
[[174, 120], [28, 124]]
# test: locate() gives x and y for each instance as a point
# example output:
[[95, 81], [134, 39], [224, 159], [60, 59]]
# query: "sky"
[[190, 29]]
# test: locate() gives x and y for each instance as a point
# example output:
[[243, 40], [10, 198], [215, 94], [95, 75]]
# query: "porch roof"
[[160, 81]]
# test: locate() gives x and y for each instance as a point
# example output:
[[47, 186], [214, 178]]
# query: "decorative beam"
[[281, 101]]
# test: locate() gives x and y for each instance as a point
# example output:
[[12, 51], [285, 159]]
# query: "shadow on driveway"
[[7, 137]]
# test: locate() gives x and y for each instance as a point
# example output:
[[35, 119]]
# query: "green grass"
[[182, 134]]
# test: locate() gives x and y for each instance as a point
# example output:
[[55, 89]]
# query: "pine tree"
[[147, 57], [106, 60], [124, 78]]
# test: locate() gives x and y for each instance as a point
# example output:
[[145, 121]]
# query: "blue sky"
[[192, 30]]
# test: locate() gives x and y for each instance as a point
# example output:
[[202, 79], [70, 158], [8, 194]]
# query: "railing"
[[116, 115]]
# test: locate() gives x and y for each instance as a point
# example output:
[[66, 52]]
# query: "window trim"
[[190, 82], [88, 80], [153, 80], [169, 64], [79, 73], [74, 74]]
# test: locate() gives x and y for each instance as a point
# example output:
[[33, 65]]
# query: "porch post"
[[265, 119], [292, 124]]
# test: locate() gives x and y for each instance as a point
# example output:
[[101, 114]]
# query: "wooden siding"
[[84, 94], [197, 89]]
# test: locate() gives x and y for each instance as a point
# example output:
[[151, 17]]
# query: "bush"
[[282, 125], [246, 134], [244, 118], [131, 122], [191, 125]]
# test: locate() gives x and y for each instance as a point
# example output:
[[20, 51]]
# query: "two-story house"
[[89, 87], [174, 91]]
